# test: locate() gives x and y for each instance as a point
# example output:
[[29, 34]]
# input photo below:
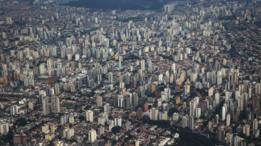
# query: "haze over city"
[[130, 72]]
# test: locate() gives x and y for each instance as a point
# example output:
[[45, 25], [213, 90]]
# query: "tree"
[[116, 129], [21, 121]]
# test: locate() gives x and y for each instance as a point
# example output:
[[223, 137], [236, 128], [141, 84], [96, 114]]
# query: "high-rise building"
[[166, 94], [14, 110], [64, 119], [150, 65], [258, 89], [89, 115], [137, 143], [135, 99], [256, 103], [4, 127], [45, 106], [118, 122], [246, 129], [128, 101], [50, 105], [191, 122], [154, 114], [198, 112], [106, 108], [255, 124], [228, 119], [211, 91], [58, 143], [142, 65], [57, 89], [99, 101], [187, 88], [71, 118], [173, 68], [120, 62], [110, 77], [120, 101], [217, 99], [55, 104], [219, 77], [68, 133], [42, 69], [223, 113], [192, 106], [184, 121], [92, 136]]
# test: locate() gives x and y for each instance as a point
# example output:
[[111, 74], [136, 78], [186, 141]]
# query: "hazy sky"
[[120, 4]]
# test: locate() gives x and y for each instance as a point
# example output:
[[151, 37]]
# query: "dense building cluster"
[[188, 73]]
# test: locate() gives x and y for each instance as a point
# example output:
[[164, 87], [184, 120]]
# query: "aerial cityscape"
[[130, 72]]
